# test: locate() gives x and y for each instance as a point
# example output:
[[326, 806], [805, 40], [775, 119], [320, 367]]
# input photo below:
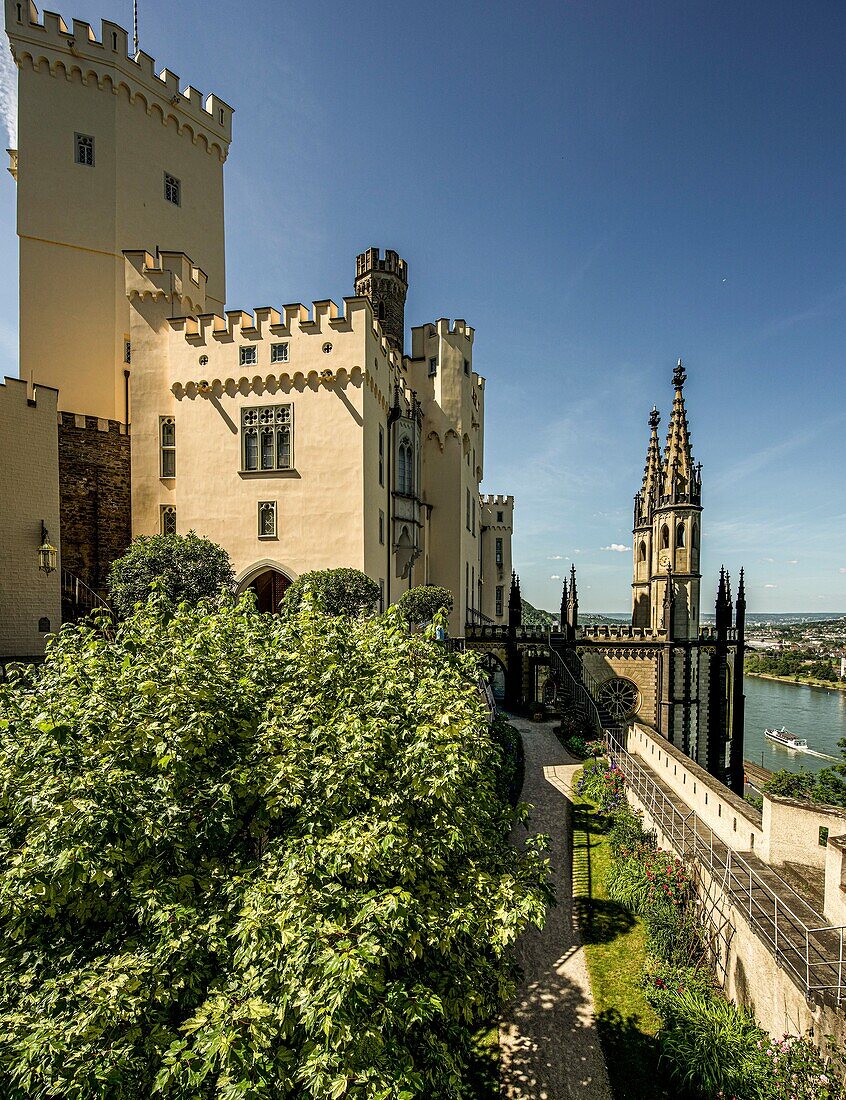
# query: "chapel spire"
[[652, 471], [681, 478]]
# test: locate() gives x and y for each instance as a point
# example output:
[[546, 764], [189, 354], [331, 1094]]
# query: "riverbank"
[[803, 681]]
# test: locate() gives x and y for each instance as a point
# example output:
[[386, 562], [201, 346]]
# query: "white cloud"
[[843, 570], [770, 586], [768, 560], [617, 547], [793, 561], [8, 94], [555, 557], [555, 577]]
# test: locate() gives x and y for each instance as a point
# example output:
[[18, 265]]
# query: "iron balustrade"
[[810, 950]]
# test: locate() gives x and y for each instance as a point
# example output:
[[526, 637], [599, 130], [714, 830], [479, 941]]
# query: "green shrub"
[[627, 833], [664, 981], [513, 764], [181, 567], [422, 603], [603, 784], [673, 932], [346, 592], [251, 856], [710, 1045]]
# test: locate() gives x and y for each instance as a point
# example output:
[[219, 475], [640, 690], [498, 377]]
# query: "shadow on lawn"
[[632, 1058]]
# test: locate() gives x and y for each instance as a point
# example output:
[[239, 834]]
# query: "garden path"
[[549, 1047]]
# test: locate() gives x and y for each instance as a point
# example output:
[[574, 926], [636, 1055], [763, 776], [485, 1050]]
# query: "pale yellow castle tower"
[[110, 156]]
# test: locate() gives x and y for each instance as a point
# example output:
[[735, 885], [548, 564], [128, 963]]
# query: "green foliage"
[[793, 663], [181, 567], [627, 834], [710, 1044], [603, 783], [827, 785], [533, 616], [422, 603], [664, 981], [256, 857], [347, 592], [512, 761]]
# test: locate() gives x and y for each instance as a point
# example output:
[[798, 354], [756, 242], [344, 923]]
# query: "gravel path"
[[549, 1046]]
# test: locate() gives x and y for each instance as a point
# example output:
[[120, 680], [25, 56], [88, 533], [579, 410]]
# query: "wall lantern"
[[46, 553]]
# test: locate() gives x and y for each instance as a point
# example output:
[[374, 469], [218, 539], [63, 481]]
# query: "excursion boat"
[[787, 739]]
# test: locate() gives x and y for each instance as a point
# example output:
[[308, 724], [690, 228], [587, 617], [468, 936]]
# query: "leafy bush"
[[513, 761], [422, 603], [182, 567], [251, 856], [347, 592], [627, 834], [710, 1045], [663, 982], [603, 783], [794, 1067]]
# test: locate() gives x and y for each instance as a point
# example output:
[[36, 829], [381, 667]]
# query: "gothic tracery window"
[[405, 467], [680, 536], [665, 537], [267, 437]]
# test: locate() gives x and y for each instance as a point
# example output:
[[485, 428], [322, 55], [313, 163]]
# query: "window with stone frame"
[[279, 353], [499, 597], [405, 467], [84, 150], [267, 519], [167, 519], [498, 551], [167, 446], [247, 355], [172, 189], [267, 438]]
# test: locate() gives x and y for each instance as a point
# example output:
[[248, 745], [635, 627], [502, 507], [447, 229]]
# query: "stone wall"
[[94, 506]]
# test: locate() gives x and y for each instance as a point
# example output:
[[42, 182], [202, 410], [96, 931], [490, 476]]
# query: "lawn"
[[615, 949]]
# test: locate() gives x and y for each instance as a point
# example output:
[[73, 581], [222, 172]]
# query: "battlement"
[[372, 260], [623, 632], [77, 48], [168, 274], [493, 499]]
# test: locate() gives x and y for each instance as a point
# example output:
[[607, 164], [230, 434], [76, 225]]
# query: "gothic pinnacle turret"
[[652, 473], [680, 476], [563, 621]]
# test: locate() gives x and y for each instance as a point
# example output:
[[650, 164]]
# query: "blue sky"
[[598, 187]]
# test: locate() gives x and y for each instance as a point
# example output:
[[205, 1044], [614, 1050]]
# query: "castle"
[[298, 438]]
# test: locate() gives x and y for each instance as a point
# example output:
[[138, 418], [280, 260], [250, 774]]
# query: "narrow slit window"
[[167, 437]]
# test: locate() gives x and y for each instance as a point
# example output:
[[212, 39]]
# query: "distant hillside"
[[534, 616]]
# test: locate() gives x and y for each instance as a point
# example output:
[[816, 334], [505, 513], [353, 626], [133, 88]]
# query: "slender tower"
[[645, 503], [676, 523]]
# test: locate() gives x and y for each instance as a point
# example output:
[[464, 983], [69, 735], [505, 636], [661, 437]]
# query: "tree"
[[346, 592], [422, 603], [183, 567], [250, 856]]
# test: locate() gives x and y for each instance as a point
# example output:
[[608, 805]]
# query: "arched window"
[[665, 537], [405, 468], [694, 537], [641, 552], [680, 536]]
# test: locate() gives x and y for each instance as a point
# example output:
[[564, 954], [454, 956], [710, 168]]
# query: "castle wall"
[[496, 574], [640, 665], [29, 494], [94, 484], [74, 219]]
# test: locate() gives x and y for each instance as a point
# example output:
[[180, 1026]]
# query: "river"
[[817, 714]]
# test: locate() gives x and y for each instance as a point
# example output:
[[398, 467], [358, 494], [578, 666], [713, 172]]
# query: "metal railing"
[[579, 694], [79, 596], [476, 618], [810, 950]]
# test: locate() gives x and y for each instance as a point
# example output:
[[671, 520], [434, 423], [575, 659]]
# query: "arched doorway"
[[269, 587]]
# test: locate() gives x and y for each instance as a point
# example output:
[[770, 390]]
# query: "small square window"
[[248, 355], [433, 367], [84, 150], [172, 189], [823, 836], [267, 519], [167, 519], [278, 353], [500, 517]]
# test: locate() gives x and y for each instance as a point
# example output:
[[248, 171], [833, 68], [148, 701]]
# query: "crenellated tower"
[[385, 282]]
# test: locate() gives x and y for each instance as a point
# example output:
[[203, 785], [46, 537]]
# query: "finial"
[[679, 375], [654, 418]]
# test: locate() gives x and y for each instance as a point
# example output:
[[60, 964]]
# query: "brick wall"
[[94, 490]]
